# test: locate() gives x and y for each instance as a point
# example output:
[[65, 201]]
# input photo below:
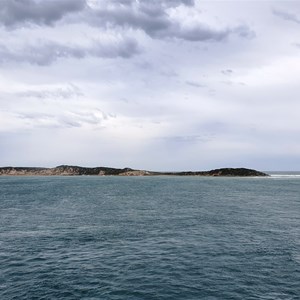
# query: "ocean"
[[150, 237]]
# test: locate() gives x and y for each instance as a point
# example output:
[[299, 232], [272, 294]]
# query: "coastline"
[[65, 170]]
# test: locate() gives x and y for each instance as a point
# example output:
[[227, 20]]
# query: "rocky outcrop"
[[65, 170], [136, 173], [229, 172], [62, 170], [240, 172], [15, 171]]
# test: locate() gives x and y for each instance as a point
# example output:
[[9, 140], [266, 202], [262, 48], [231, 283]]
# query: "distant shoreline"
[[66, 170]]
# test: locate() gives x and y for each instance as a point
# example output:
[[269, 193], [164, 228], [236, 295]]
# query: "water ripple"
[[149, 238]]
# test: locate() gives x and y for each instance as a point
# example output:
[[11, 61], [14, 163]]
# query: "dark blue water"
[[149, 238]]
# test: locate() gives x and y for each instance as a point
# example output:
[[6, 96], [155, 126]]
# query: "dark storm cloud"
[[125, 48], [153, 19], [166, 3], [14, 13], [205, 33], [287, 16], [49, 52]]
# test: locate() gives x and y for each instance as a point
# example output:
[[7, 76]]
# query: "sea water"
[[149, 238]]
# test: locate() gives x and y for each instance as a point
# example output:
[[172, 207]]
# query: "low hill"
[[65, 170]]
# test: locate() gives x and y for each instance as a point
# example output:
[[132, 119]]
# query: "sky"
[[163, 85]]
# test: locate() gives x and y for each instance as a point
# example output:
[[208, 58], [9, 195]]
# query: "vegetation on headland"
[[66, 170]]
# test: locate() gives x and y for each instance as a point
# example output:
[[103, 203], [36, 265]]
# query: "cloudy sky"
[[150, 84]]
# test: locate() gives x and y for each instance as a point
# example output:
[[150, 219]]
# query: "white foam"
[[285, 176]]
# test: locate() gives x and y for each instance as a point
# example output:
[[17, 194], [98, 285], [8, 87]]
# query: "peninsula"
[[65, 170]]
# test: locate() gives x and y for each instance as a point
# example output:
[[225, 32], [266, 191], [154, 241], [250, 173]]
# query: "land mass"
[[66, 170]]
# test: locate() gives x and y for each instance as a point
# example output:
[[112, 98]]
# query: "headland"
[[66, 170]]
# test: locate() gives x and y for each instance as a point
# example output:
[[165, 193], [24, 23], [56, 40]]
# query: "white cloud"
[[14, 14], [48, 52], [164, 85]]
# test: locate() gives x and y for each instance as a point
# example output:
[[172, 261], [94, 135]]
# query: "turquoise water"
[[149, 238]]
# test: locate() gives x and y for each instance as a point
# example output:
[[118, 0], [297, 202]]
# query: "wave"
[[285, 176]]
